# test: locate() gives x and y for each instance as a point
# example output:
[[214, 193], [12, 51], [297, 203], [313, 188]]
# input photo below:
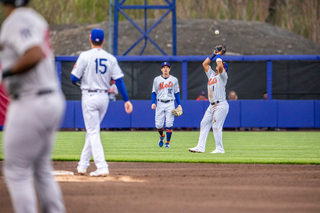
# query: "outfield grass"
[[240, 147]]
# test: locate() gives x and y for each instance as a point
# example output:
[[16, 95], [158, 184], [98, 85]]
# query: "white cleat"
[[100, 172], [217, 151], [196, 149], [81, 170]]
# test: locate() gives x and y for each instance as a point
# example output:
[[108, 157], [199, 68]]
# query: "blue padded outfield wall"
[[242, 113], [290, 103]]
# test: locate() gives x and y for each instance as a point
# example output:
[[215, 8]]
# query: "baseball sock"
[[161, 132], [169, 133]]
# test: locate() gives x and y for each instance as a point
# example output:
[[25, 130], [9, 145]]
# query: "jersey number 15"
[[101, 63]]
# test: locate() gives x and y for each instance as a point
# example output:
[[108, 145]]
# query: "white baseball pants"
[[94, 107], [214, 117], [164, 112], [28, 138]]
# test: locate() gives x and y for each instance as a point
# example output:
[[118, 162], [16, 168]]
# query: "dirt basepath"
[[182, 187]]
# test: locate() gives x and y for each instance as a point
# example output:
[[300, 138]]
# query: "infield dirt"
[[189, 187]]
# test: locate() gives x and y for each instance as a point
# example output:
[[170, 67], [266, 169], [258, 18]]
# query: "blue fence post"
[[269, 79], [174, 29], [115, 27], [58, 69], [184, 80]]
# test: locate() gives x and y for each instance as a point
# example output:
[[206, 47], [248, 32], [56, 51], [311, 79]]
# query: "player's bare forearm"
[[206, 64], [220, 66], [28, 61]]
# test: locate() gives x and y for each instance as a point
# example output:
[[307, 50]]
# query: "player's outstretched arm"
[[206, 63], [219, 63], [123, 91], [28, 61]]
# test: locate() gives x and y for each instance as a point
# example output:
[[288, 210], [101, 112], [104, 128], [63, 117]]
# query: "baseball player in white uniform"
[[35, 110], [113, 91], [218, 108], [165, 91], [96, 67]]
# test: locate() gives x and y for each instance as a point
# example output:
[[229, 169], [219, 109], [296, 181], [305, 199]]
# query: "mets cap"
[[97, 35], [165, 64]]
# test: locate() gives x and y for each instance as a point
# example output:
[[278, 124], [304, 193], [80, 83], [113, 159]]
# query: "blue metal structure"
[[120, 7]]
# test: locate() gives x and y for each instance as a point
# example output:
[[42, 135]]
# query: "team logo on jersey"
[[162, 85], [212, 81], [75, 66]]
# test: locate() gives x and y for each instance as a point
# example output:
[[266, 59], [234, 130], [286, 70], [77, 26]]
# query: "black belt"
[[96, 90], [164, 101], [40, 92], [213, 103]]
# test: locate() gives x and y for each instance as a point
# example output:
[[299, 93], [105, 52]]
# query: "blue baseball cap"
[[165, 64], [97, 35]]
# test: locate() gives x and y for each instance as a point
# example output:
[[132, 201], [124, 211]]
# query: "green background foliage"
[[300, 17]]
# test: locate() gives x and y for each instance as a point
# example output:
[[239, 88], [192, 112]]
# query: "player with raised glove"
[[218, 108], [177, 111]]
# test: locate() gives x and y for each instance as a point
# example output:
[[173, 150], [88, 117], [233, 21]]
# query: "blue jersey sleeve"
[[177, 96], [122, 89], [153, 97], [74, 79]]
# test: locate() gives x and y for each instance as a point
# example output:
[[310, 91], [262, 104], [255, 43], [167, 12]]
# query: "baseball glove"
[[221, 48], [177, 111]]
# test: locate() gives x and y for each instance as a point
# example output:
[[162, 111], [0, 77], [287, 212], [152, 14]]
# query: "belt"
[[213, 103], [164, 101], [98, 90], [40, 92]]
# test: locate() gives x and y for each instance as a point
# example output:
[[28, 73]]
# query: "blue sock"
[[169, 133]]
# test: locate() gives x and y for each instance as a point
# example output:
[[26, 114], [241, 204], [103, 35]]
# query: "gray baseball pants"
[[28, 139]]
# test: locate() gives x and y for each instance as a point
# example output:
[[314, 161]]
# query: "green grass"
[[240, 147]]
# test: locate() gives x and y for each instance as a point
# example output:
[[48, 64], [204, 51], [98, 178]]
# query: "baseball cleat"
[[167, 145], [217, 151], [161, 141], [100, 172], [196, 150], [81, 170]]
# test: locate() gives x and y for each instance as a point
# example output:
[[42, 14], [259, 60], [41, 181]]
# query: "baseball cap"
[[202, 93], [97, 35], [165, 64]]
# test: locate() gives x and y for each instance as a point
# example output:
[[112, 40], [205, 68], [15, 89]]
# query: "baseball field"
[[266, 171]]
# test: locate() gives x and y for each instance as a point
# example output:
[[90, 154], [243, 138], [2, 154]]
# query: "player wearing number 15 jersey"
[[96, 67]]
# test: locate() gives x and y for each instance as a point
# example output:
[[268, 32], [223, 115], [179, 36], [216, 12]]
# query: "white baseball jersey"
[[22, 30], [96, 67], [113, 91], [165, 88], [217, 85]]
